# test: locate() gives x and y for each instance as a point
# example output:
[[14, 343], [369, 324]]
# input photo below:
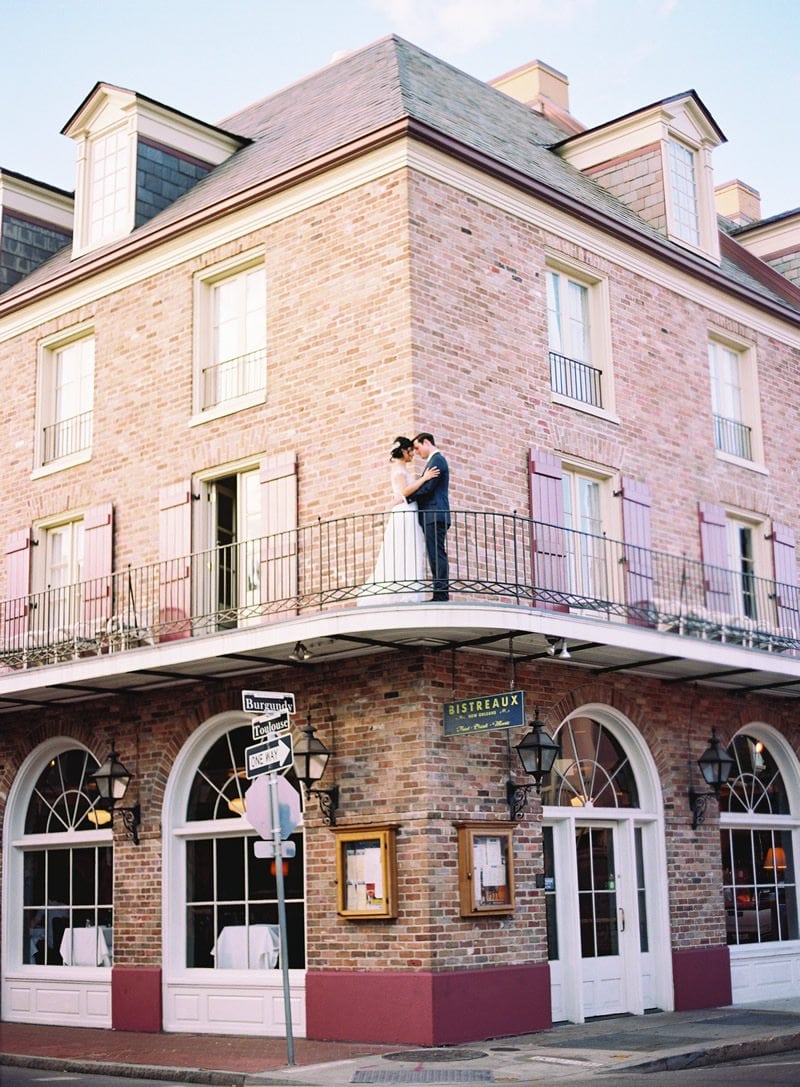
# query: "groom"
[[434, 513]]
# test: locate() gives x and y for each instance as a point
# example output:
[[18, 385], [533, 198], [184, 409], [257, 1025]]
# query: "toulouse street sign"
[[488, 711]]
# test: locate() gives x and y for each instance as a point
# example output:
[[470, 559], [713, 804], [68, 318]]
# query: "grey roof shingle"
[[363, 93]]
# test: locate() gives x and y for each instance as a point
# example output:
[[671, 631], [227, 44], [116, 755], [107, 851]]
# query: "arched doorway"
[[605, 872], [58, 909], [221, 966], [759, 824]]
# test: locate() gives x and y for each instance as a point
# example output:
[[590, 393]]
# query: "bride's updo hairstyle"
[[400, 446]]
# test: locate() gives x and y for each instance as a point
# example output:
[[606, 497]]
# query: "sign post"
[[273, 756]]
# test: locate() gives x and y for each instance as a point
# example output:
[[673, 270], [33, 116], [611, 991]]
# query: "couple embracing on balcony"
[[415, 539]]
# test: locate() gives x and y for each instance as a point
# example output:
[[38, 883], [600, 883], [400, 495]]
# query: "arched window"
[[67, 897], [757, 856], [231, 895], [592, 770]]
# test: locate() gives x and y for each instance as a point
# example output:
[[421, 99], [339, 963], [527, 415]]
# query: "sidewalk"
[[659, 1040]]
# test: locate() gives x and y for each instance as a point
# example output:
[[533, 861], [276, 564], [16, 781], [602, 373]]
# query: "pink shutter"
[[549, 545], [175, 545], [98, 545], [714, 549], [787, 603], [18, 587], [637, 550], [279, 546]]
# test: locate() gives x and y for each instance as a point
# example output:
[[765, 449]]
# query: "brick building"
[[204, 364]]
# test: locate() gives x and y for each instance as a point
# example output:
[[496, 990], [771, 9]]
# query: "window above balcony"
[[578, 333], [65, 402], [734, 403], [230, 349]]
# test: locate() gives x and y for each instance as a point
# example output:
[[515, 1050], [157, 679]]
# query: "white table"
[[87, 946], [243, 947]]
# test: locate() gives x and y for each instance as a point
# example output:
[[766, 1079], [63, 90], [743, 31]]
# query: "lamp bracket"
[[328, 800], [517, 797], [131, 818], [697, 803]]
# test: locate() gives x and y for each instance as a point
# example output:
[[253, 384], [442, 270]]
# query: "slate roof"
[[387, 82]]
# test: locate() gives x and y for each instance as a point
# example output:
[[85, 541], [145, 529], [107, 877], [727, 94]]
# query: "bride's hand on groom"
[[429, 473]]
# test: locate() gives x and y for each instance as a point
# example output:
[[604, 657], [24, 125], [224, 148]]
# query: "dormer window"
[[684, 215], [135, 158], [109, 184]]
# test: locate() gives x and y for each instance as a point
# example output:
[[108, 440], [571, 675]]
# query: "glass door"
[[601, 919]]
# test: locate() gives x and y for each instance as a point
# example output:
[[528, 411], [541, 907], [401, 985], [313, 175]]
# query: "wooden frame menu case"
[[485, 868], [366, 871]]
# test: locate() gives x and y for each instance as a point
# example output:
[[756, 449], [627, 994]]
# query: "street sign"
[[266, 726], [267, 702], [258, 809], [266, 850], [275, 755]]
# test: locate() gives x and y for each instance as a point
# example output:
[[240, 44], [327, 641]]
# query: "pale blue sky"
[[210, 59]]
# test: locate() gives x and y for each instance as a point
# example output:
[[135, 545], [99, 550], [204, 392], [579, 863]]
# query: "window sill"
[[587, 409], [229, 407], [62, 464], [750, 465]]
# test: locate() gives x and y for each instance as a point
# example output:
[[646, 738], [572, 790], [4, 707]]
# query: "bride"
[[402, 556]]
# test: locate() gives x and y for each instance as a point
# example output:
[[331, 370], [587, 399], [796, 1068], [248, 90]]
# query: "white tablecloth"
[[231, 948], [88, 946]]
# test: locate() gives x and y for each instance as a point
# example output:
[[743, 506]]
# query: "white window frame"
[[48, 356], [750, 414], [599, 333], [120, 185], [706, 240], [610, 524], [761, 558], [205, 284]]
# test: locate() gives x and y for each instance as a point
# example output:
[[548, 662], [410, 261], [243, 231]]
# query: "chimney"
[[543, 89], [738, 202]]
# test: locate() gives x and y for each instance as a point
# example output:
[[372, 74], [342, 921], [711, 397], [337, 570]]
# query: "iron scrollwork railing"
[[492, 557]]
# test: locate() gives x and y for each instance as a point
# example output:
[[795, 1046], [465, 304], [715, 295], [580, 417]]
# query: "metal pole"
[[284, 952]]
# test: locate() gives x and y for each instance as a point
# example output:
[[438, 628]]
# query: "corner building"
[[205, 356]]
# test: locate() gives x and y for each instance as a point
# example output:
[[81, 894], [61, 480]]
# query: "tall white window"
[[732, 400], [109, 203], [685, 218], [743, 562], [57, 573], [576, 338], [231, 339], [67, 401], [585, 549]]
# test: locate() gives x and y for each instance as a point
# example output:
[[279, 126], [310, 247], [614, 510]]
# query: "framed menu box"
[[485, 868], [366, 871]]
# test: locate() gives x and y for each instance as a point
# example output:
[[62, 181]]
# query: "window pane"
[[685, 222], [230, 856], [83, 877], [199, 871]]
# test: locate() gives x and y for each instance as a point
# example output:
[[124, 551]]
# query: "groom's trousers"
[[434, 528]]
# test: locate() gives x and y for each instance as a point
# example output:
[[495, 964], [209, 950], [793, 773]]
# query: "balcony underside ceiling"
[[252, 652]]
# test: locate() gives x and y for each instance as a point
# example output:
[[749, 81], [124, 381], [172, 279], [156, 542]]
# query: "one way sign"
[[275, 755]]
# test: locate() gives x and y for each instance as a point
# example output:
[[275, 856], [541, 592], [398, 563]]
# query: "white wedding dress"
[[402, 563]]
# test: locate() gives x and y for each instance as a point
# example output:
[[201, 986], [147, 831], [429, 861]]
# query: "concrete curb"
[[719, 1054], [128, 1071]]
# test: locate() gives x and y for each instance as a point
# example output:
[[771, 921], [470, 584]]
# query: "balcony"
[[66, 437], [733, 437], [576, 380], [534, 568], [233, 379]]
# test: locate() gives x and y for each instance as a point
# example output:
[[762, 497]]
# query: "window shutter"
[[175, 545], [637, 549], [279, 546], [18, 587], [714, 550], [549, 544], [98, 544], [787, 603]]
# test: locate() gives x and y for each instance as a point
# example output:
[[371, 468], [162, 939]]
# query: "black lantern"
[[112, 780], [715, 765], [310, 761], [537, 752]]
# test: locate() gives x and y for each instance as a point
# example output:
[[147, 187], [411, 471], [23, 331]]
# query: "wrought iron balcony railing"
[[577, 380], [66, 437], [492, 557], [731, 436], [232, 378]]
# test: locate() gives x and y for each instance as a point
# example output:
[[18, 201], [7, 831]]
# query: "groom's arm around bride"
[[433, 500]]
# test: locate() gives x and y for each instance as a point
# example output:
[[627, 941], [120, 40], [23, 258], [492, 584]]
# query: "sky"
[[210, 58]]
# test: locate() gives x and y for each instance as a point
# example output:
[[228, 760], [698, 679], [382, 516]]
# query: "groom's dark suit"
[[433, 501]]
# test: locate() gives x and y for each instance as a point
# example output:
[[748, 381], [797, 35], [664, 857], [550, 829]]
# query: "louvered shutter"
[[175, 545], [18, 587], [717, 581], [279, 546], [549, 543], [98, 543], [637, 550], [787, 601]]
